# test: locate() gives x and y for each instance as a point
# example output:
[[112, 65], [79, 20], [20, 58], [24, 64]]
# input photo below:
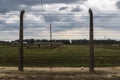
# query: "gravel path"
[[59, 73]]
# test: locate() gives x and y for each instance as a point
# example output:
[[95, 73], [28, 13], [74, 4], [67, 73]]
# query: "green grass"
[[63, 56]]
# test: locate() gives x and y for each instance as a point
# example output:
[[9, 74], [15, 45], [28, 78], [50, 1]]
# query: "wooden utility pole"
[[21, 52], [51, 35], [91, 43]]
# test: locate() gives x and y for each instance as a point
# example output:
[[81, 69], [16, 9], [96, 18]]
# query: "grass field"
[[63, 56]]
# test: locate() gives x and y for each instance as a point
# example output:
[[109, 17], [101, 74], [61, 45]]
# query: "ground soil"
[[59, 73]]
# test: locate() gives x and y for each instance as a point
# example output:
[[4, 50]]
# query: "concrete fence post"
[[21, 52], [91, 42], [51, 36]]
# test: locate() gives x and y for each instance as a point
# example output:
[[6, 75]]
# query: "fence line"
[[77, 34]]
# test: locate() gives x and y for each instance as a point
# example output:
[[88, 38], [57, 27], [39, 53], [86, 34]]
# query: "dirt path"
[[59, 73]]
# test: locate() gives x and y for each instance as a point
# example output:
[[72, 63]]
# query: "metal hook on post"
[[21, 49]]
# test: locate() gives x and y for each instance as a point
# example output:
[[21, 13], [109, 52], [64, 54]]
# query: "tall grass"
[[63, 56]]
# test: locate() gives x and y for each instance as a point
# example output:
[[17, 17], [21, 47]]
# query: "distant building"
[[44, 44], [16, 43], [2, 42]]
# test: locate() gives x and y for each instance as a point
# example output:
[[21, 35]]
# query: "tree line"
[[78, 41]]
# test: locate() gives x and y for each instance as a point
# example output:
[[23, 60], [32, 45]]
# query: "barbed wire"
[[63, 14]]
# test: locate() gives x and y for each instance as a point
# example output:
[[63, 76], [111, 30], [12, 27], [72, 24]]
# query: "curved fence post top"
[[90, 11], [22, 12]]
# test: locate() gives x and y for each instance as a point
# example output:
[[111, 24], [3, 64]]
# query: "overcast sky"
[[69, 19]]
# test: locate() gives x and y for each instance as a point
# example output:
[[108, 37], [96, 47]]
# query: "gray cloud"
[[7, 5], [118, 4], [14, 5], [63, 8], [65, 21], [107, 21], [76, 9], [61, 1]]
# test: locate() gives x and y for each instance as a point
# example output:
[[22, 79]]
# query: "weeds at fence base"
[[57, 73]]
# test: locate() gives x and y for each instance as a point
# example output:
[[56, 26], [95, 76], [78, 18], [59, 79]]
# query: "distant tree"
[[31, 40], [44, 40], [38, 40], [64, 41]]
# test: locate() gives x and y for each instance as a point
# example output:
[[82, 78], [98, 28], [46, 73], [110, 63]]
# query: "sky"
[[69, 19]]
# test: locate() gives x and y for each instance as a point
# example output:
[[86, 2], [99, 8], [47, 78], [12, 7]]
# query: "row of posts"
[[91, 42]]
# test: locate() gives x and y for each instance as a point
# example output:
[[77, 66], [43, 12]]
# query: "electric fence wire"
[[43, 10], [44, 13]]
